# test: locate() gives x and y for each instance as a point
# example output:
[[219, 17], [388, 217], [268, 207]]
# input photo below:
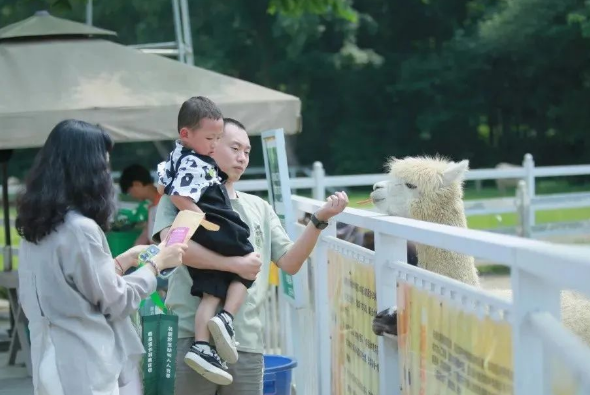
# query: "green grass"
[[493, 270], [14, 238], [491, 221], [542, 217]]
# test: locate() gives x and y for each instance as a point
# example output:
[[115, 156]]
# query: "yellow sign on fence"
[[355, 366], [563, 380], [443, 349], [447, 351]]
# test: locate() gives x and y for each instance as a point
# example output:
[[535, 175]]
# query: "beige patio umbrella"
[[52, 69]]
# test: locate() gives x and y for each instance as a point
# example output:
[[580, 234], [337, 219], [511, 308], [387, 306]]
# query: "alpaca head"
[[419, 185]]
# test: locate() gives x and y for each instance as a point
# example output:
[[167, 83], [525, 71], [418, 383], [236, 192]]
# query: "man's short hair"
[[134, 173], [194, 110], [231, 121]]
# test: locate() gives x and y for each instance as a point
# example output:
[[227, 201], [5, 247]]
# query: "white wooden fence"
[[539, 271], [525, 205], [318, 182]]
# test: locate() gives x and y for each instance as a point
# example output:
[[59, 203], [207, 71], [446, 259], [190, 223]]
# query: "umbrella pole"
[[4, 158]]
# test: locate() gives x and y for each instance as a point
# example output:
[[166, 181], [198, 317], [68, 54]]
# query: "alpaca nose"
[[379, 185]]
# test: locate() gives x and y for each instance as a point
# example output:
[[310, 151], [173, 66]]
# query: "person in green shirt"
[[270, 242]]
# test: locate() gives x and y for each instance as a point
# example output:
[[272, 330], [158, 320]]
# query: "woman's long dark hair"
[[70, 172]]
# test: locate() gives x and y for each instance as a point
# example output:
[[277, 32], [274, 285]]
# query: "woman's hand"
[[169, 257], [128, 259], [134, 253]]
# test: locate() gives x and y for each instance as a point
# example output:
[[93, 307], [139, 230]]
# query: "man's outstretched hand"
[[335, 204]]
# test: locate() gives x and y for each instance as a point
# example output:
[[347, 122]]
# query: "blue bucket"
[[278, 371]]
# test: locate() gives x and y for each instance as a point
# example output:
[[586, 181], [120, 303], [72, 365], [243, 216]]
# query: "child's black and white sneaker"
[[222, 331], [202, 358]]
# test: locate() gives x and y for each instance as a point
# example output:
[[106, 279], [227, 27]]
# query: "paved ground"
[[13, 379], [492, 281], [15, 386]]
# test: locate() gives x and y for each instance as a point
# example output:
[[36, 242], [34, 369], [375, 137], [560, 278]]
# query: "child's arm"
[[183, 196], [160, 188], [185, 203]]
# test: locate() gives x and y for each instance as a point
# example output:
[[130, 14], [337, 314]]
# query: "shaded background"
[[483, 80]]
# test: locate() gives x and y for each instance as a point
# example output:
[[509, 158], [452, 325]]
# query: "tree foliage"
[[486, 80]]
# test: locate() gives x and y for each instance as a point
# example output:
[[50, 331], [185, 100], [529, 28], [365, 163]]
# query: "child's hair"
[[134, 173], [194, 110]]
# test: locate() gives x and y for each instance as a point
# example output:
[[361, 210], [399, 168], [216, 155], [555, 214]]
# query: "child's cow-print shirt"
[[187, 173]]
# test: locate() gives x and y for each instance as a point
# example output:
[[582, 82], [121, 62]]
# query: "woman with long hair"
[[73, 292]]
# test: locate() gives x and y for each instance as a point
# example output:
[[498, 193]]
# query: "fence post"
[[478, 185], [323, 315], [523, 203], [530, 294], [319, 175], [529, 167], [388, 249], [293, 174]]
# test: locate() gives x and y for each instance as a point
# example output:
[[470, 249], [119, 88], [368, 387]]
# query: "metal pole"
[[163, 52], [178, 31], [166, 45], [163, 150], [186, 28], [8, 241], [89, 12]]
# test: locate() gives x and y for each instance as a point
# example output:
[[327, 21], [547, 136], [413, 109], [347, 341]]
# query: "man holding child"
[[270, 243]]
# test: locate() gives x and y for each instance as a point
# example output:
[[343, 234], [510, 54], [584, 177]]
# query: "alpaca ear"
[[455, 172], [390, 161]]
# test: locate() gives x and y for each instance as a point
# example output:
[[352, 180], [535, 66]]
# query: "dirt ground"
[[502, 281]]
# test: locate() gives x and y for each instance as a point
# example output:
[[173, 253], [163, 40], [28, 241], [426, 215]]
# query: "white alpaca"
[[430, 189]]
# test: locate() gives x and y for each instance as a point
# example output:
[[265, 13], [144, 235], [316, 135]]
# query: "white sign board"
[[279, 196]]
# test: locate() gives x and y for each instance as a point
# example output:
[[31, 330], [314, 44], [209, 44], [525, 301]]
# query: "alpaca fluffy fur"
[[431, 189], [439, 202]]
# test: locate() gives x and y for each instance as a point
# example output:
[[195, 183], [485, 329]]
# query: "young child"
[[194, 182]]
